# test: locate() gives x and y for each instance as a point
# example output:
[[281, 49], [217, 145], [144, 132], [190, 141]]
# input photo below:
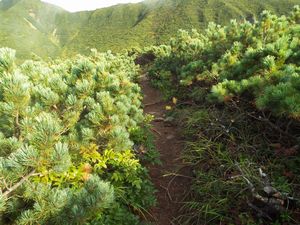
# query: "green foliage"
[[29, 24], [66, 152], [238, 102], [258, 61], [66, 206]]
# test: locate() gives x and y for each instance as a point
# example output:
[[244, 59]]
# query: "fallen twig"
[[156, 131], [159, 119], [168, 193], [154, 103], [177, 175]]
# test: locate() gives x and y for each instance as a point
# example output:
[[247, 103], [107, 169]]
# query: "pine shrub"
[[66, 154], [257, 61]]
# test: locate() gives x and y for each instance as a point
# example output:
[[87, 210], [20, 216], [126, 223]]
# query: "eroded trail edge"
[[170, 178]]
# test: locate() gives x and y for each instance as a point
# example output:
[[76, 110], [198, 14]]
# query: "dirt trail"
[[171, 188]]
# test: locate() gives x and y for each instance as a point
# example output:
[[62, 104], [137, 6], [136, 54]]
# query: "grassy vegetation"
[[227, 148]]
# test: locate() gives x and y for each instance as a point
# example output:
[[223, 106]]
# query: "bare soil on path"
[[171, 177]]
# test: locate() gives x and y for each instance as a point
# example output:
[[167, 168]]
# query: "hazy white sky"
[[80, 5]]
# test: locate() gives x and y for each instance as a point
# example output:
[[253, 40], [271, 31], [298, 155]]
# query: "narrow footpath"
[[169, 178]]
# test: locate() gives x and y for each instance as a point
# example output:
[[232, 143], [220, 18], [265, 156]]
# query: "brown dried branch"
[[9, 191], [273, 126]]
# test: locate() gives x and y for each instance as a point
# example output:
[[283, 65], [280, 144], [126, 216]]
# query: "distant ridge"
[[49, 31]]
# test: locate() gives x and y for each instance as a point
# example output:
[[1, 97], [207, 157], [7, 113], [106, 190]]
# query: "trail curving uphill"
[[170, 178]]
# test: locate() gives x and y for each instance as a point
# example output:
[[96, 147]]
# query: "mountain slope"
[[28, 25], [152, 22]]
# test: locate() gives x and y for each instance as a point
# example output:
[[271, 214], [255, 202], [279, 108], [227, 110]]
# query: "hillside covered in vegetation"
[[123, 26]]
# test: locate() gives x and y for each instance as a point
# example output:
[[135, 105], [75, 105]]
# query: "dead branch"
[[273, 126], [9, 191]]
